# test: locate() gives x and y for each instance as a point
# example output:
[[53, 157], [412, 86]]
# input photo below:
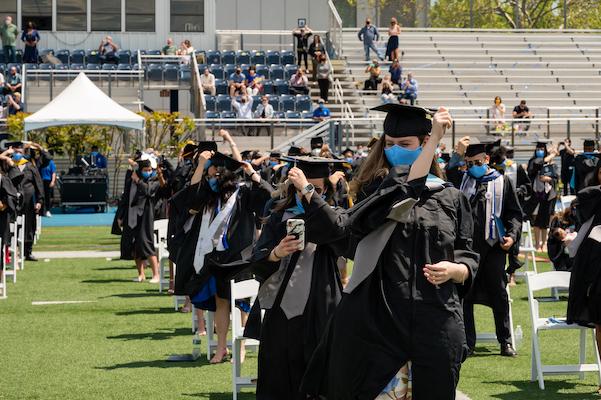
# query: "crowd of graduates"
[[430, 235]]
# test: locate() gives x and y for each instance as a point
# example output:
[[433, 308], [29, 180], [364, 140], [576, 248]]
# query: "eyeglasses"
[[472, 163]]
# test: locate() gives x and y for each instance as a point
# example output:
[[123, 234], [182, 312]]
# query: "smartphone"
[[296, 228]]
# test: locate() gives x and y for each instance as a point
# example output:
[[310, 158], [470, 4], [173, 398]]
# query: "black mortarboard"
[[207, 146], [221, 160], [474, 149], [275, 154], [492, 146], [589, 142], [313, 167], [144, 163], [14, 145], [316, 142], [348, 150], [403, 120], [294, 151], [245, 153], [189, 149], [542, 142]]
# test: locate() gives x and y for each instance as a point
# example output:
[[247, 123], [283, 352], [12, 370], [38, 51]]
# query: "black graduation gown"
[[395, 315], [32, 190], [557, 249], [121, 206], [585, 166], [10, 198], [286, 345], [138, 242], [584, 301], [240, 237], [545, 201]]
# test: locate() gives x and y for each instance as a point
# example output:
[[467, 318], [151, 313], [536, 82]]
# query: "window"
[[139, 15], [187, 16], [37, 11], [71, 15], [106, 15], [8, 7]]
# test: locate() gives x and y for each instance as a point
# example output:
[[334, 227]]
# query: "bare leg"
[[140, 267], [244, 318], [598, 335], [222, 324], [154, 266], [537, 238], [171, 278], [200, 317], [543, 237]]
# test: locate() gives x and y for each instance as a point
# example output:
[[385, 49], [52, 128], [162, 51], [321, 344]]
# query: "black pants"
[[299, 90], [300, 55], [565, 179], [324, 87], [372, 83], [512, 256], [490, 284], [48, 195]]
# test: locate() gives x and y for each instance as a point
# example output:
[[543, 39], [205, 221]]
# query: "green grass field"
[[115, 347], [96, 238]]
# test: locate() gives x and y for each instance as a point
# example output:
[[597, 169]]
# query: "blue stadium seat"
[[281, 87], [3, 68], [201, 68], [171, 72], [92, 57], [221, 86], [287, 102], [123, 67], [307, 115], [229, 69], [16, 65], [217, 70], [78, 56], [211, 101], [93, 66], [185, 73], [77, 66], [224, 103], [2, 57], [290, 70], [212, 114], [276, 71], [243, 57], [287, 57], [45, 67], [33, 76], [279, 115], [303, 103], [43, 53], [155, 72], [213, 57], [256, 101], [124, 56], [64, 55], [228, 114], [153, 52], [273, 57], [268, 87], [257, 57], [20, 56], [61, 67], [245, 69], [262, 70], [109, 67], [275, 102], [228, 57], [293, 114], [26, 65]]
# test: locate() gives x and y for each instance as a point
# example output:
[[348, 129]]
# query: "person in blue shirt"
[[321, 113], [395, 72], [48, 174], [237, 82], [369, 35], [97, 159], [409, 88]]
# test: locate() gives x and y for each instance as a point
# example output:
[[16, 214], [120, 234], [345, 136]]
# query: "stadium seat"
[[63, 76], [153, 52], [224, 103], [78, 57], [92, 57], [262, 70], [287, 102], [229, 69], [213, 57], [2, 57], [77, 66], [43, 53], [268, 87], [243, 57], [124, 56], [245, 68], [109, 67], [221, 86], [256, 101], [212, 114], [275, 102], [303, 103], [201, 68], [228, 114], [217, 70], [45, 67], [64, 55], [33, 76], [171, 73], [19, 56], [210, 102], [3, 68], [26, 65], [293, 115], [228, 57], [123, 67], [291, 69], [16, 65], [287, 57], [185, 73], [93, 66], [155, 72], [273, 57], [279, 115], [307, 115], [257, 57], [276, 71], [281, 87]]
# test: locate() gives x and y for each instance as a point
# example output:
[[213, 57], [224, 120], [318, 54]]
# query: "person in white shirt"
[[264, 111], [299, 83], [243, 111], [498, 114], [207, 81]]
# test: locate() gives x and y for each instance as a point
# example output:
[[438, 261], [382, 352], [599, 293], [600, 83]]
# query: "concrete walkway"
[[461, 396], [76, 254]]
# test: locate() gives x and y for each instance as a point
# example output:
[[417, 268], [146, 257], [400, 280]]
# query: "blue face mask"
[[214, 184], [146, 175], [478, 171], [17, 156], [94, 153], [397, 155], [539, 153], [273, 163], [349, 160]]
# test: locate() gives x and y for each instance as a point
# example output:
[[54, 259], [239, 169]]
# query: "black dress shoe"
[[30, 258], [508, 351]]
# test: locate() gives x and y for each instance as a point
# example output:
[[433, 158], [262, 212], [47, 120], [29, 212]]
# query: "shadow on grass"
[[221, 396], [202, 361], [161, 335], [147, 293], [105, 281], [125, 267], [152, 311], [526, 390]]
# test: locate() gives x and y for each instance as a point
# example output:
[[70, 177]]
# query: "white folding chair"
[[240, 291], [492, 337], [564, 202], [210, 326], [3, 283], [38, 228], [546, 280], [527, 249], [10, 269], [160, 243], [21, 241]]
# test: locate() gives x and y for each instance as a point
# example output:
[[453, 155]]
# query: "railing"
[[200, 104], [257, 39], [335, 33], [317, 130], [484, 30]]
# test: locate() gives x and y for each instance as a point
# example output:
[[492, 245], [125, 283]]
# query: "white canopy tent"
[[83, 103]]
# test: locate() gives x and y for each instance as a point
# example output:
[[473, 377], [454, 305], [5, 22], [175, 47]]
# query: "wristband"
[[276, 254]]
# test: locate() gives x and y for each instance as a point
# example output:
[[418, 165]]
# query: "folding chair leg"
[[210, 333], [539, 366], [597, 358], [582, 350], [236, 367], [512, 331], [533, 372]]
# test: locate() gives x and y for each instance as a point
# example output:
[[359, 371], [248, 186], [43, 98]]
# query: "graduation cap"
[[275, 154], [348, 150], [294, 151], [492, 146], [474, 149], [144, 163], [207, 145], [316, 142], [403, 120], [221, 160], [542, 143], [245, 153], [15, 145], [313, 167]]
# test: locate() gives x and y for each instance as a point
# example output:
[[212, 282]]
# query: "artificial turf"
[[74, 238], [115, 347]]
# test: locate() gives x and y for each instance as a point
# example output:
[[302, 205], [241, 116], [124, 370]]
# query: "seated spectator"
[[321, 113], [96, 159], [396, 72], [108, 51], [14, 103], [299, 84], [521, 111], [169, 49], [244, 107], [374, 76], [185, 49], [264, 111], [255, 82], [207, 81], [237, 83], [409, 90], [13, 83], [497, 113], [387, 96]]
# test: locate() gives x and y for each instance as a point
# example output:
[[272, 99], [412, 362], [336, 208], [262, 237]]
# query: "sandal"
[[224, 358]]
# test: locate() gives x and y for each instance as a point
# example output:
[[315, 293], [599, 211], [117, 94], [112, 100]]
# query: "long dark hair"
[[227, 182], [290, 199]]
